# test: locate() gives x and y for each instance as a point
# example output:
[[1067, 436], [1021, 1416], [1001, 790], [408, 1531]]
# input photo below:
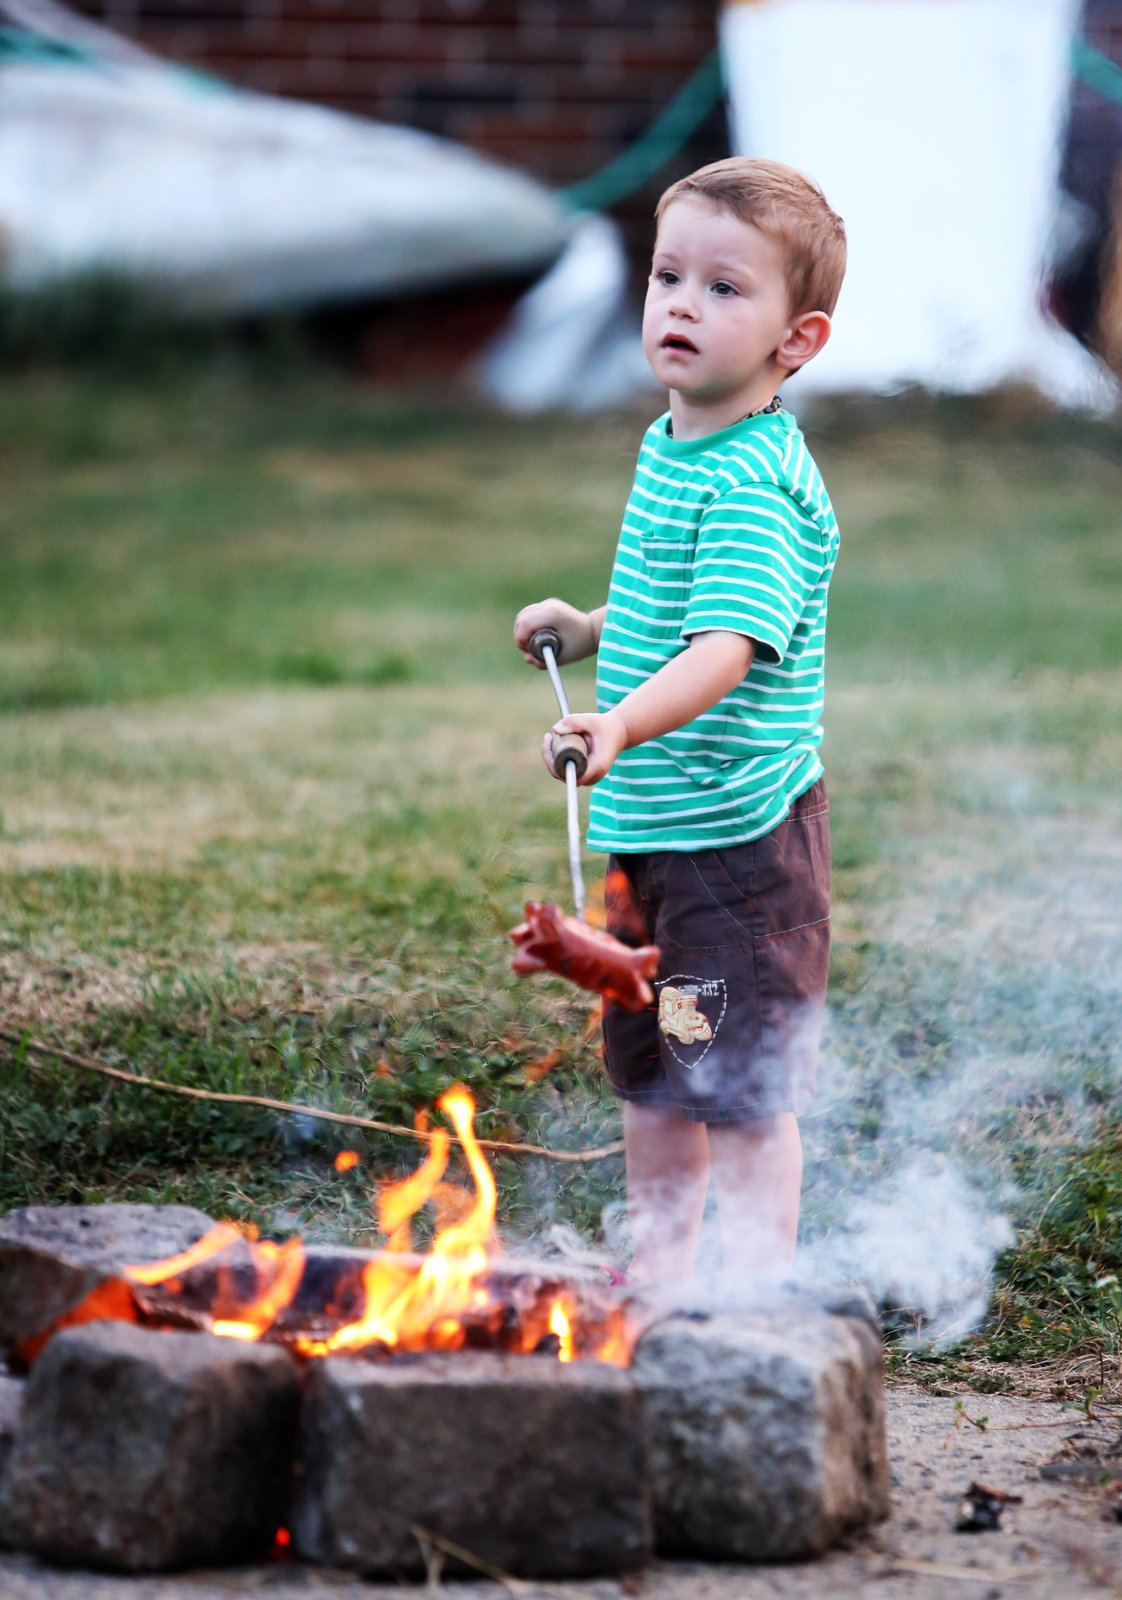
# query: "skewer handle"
[[545, 638], [569, 749]]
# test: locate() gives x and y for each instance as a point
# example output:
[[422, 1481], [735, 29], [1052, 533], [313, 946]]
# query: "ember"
[[981, 1508], [459, 1295]]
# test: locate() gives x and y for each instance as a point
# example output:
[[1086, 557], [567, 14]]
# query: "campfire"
[[459, 1295], [182, 1393]]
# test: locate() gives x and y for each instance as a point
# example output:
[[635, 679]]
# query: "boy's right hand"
[[576, 630]]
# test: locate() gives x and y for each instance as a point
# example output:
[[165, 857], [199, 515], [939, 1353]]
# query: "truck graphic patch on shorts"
[[690, 1010]]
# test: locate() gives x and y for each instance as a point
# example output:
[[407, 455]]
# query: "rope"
[[21, 1041], [1097, 71], [677, 120]]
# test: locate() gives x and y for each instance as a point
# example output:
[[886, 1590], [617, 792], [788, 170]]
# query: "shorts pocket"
[[784, 876], [702, 908]]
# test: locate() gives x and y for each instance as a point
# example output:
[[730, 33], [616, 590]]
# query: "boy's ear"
[[803, 340]]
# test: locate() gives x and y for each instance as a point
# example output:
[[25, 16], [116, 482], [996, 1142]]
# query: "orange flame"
[[406, 1309], [287, 1262], [215, 1240], [346, 1159], [475, 1232], [560, 1325], [399, 1202]]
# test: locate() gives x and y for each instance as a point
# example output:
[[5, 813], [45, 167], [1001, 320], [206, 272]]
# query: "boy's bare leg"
[[758, 1174], [667, 1181]]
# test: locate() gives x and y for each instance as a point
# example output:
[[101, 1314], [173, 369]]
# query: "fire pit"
[[461, 1295], [193, 1393]]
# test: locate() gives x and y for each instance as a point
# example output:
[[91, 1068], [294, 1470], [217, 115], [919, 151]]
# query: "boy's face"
[[717, 306]]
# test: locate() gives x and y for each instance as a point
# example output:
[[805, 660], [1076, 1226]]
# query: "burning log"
[[549, 941], [514, 1310], [62, 1264]]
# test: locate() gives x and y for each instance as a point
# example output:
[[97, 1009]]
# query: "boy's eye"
[[666, 276], [723, 288]]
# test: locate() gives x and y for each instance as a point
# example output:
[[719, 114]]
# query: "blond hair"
[[789, 208]]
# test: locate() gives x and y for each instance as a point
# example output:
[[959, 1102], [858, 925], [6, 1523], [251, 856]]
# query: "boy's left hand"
[[605, 733]]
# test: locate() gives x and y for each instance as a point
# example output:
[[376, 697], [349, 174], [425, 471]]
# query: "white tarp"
[[572, 341], [934, 128]]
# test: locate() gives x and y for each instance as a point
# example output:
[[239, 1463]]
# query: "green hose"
[[677, 120], [1097, 71]]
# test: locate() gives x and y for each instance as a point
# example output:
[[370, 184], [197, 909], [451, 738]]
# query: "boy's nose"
[[683, 302]]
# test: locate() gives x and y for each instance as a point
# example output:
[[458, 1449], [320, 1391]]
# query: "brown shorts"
[[741, 988]]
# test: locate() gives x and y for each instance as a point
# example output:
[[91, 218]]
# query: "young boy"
[[704, 748]]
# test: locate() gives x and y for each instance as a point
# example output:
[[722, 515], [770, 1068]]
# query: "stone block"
[[534, 1466], [11, 1405], [141, 1450], [52, 1257], [767, 1429]]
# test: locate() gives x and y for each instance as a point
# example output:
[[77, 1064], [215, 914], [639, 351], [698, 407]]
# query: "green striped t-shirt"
[[735, 532]]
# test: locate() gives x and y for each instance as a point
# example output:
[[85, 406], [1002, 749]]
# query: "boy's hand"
[[604, 733], [579, 630], [682, 689]]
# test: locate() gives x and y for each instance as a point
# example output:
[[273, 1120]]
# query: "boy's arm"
[[677, 693], [579, 630]]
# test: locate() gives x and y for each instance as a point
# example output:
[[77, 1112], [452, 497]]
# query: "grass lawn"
[[270, 802]]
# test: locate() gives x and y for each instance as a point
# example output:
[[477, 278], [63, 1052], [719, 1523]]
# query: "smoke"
[[973, 1046], [921, 1239], [979, 1046]]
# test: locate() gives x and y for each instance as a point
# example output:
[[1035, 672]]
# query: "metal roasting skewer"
[[574, 838], [570, 752]]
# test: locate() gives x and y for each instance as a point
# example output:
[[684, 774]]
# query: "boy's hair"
[[789, 208]]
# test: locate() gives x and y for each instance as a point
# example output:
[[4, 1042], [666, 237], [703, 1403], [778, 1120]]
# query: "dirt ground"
[[1062, 1543]]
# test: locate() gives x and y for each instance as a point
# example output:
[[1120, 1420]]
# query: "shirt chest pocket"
[[665, 584], [668, 556]]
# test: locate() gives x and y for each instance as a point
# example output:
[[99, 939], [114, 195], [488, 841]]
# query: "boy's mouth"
[[678, 341]]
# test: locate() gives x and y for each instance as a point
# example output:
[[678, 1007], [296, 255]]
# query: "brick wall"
[[557, 87], [1093, 147], [1086, 293]]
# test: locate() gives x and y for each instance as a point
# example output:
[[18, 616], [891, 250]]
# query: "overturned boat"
[[222, 201]]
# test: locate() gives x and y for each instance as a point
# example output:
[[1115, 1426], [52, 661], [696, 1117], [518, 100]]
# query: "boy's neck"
[[693, 420], [773, 405], [696, 423]]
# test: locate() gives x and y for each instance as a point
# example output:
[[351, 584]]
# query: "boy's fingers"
[[547, 755]]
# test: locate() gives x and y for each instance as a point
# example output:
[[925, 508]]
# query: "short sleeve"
[[757, 562]]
